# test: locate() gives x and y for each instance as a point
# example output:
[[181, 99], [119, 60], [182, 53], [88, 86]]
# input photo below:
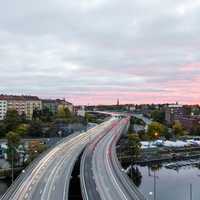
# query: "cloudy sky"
[[95, 51]]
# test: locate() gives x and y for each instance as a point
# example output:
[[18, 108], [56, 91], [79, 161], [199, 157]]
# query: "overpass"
[[102, 177], [49, 176]]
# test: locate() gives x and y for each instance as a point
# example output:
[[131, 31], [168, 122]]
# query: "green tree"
[[158, 116], [2, 130], [22, 129], [12, 120], [178, 129], [196, 130], [35, 129], [167, 133], [64, 113], [13, 141], [134, 144], [90, 118], [46, 115], [155, 130]]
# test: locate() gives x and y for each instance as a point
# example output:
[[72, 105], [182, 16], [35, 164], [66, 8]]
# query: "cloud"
[[95, 51]]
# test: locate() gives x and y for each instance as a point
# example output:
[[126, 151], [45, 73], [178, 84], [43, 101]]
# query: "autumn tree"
[[178, 129], [155, 130], [35, 148]]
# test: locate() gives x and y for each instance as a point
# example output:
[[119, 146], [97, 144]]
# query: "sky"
[[96, 51]]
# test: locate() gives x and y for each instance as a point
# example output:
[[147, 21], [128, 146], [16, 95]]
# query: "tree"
[[177, 129], [167, 133], [137, 121], [134, 144], [64, 113], [155, 130], [90, 118], [158, 116], [196, 130], [35, 129], [12, 120], [67, 113], [23, 118], [2, 130], [44, 115], [35, 148], [36, 114], [13, 141], [135, 175], [22, 129]]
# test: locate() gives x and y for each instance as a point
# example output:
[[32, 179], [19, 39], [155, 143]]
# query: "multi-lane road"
[[48, 178], [102, 177]]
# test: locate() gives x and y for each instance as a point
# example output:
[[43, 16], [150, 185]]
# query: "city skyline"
[[98, 51]]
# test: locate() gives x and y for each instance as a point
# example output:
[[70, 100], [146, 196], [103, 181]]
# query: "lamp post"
[[12, 160], [190, 191], [154, 178], [156, 134], [12, 164]]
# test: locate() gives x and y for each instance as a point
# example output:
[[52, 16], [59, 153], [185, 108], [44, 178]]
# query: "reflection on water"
[[169, 184], [4, 184], [135, 175]]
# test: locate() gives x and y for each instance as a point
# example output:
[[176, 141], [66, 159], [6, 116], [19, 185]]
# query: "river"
[[169, 184]]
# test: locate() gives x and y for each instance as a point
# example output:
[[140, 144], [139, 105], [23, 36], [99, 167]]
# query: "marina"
[[179, 164]]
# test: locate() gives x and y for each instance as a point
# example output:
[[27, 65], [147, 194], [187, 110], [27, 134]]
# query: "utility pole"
[[154, 185], [190, 191], [12, 154]]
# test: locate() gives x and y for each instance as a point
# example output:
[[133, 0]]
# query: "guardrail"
[[26, 172], [18, 181], [131, 187], [87, 157]]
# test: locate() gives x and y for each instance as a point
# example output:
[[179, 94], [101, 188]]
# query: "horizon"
[[111, 104], [94, 52]]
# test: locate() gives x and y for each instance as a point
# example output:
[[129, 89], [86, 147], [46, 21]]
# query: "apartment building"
[[61, 103], [16, 103], [32, 103], [49, 104], [22, 104], [174, 112], [27, 104], [3, 109]]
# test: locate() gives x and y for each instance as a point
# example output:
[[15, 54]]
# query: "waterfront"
[[169, 183]]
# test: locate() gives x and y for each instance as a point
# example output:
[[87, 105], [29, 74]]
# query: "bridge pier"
[[74, 186]]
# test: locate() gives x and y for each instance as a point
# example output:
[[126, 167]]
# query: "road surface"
[[49, 177], [102, 177]]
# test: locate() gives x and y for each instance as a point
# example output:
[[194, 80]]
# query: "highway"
[[102, 177], [48, 177]]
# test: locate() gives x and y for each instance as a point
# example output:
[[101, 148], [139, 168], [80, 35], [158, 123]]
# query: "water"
[[169, 184]]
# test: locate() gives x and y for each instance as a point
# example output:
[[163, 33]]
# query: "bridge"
[[101, 174]]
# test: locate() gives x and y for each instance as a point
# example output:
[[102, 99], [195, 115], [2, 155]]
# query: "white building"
[[81, 112], [3, 109]]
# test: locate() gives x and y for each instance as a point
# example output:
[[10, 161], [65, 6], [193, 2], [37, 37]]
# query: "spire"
[[117, 102]]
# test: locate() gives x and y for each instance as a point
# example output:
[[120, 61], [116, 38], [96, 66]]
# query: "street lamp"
[[150, 193], [156, 134], [12, 161]]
